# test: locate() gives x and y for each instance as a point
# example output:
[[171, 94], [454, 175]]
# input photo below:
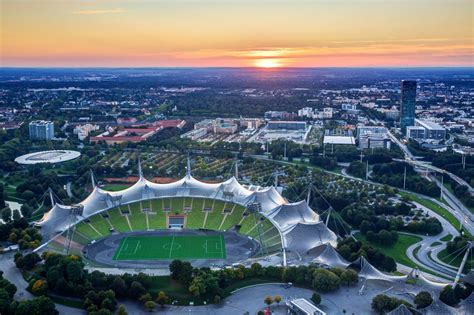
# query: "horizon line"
[[238, 67]]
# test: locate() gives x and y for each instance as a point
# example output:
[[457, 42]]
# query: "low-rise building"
[[372, 137], [338, 136], [286, 125], [82, 131], [302, 306], [279, 115], [426, 130]]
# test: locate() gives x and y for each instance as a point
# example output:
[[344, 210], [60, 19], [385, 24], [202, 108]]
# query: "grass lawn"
[[447, 238], [245, 283], [114, 187], [433, 206], [398, 250], [171, 247], [454, 260]]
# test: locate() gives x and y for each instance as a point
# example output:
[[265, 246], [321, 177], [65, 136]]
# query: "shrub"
[[316, 298], [447, 296], [325, 280], [423, 299]]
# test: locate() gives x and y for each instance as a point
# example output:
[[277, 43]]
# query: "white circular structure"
[[53, 156]]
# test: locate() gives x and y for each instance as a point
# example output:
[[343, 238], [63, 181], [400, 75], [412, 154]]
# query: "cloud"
[[104, 11]]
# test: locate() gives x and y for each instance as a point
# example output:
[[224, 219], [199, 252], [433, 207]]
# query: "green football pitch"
[[171, 247]]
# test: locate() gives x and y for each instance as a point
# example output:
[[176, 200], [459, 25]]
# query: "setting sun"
[[267, 63]]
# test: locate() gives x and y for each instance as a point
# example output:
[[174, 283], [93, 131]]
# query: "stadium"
[[51, 157], [211, 224]]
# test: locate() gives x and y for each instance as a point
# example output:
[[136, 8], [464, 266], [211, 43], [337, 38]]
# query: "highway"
[[458, 209], [410, 158]]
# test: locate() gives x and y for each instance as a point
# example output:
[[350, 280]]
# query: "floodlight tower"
[[254, 208]]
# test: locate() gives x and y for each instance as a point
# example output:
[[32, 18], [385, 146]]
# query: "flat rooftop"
[[429, 124], [306, 306], [339, 140]]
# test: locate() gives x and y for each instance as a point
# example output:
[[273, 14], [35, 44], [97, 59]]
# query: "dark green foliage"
[[349, 277], [28, 261], [351, 249], [392, 174], [448, 296], [423, 299], [325, 280], [38, 306], [384, 304], [357, 169], [316, 298]]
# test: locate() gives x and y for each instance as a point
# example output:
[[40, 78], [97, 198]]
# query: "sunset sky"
[[265, 33]]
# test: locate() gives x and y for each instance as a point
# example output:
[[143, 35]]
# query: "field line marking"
[[171, 247], [136, 247], [222, 247], [121, 246]]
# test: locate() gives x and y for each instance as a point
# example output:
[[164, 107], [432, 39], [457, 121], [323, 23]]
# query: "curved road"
[[423, 257]]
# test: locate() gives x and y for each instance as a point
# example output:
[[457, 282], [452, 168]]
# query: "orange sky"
[[295, 33]]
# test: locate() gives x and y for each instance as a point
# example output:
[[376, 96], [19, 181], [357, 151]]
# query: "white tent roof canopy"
[[299, 224]]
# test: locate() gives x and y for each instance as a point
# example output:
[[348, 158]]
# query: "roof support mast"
[[463, 263], [140, 171], [236, 167], [92, 179], [51, 196], [188, 167]]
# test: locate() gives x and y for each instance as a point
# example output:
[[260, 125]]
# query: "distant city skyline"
[[231, 33]]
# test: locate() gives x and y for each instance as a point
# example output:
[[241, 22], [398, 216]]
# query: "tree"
[[384, 304], [186, 275], [145, 298], [150, 305], [316, 298], [16, 215], [357, 169], [349, 277], [205, 284], [39, 287], [39, 306], [447, 296], [175, 268], [462, 292], [29, 261], [6, 214], [268, 300], [277, 299], [122, 310], [119, 286], [423, 299], [136, 290], [74, 272], [325, 280], [108, 304], [162, 298]]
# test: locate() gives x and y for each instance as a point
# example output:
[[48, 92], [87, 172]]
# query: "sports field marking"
[[217, 245], [121, 247], [136, 247], [171, 247]]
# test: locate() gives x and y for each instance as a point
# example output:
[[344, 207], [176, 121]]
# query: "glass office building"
[[407, 104]]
